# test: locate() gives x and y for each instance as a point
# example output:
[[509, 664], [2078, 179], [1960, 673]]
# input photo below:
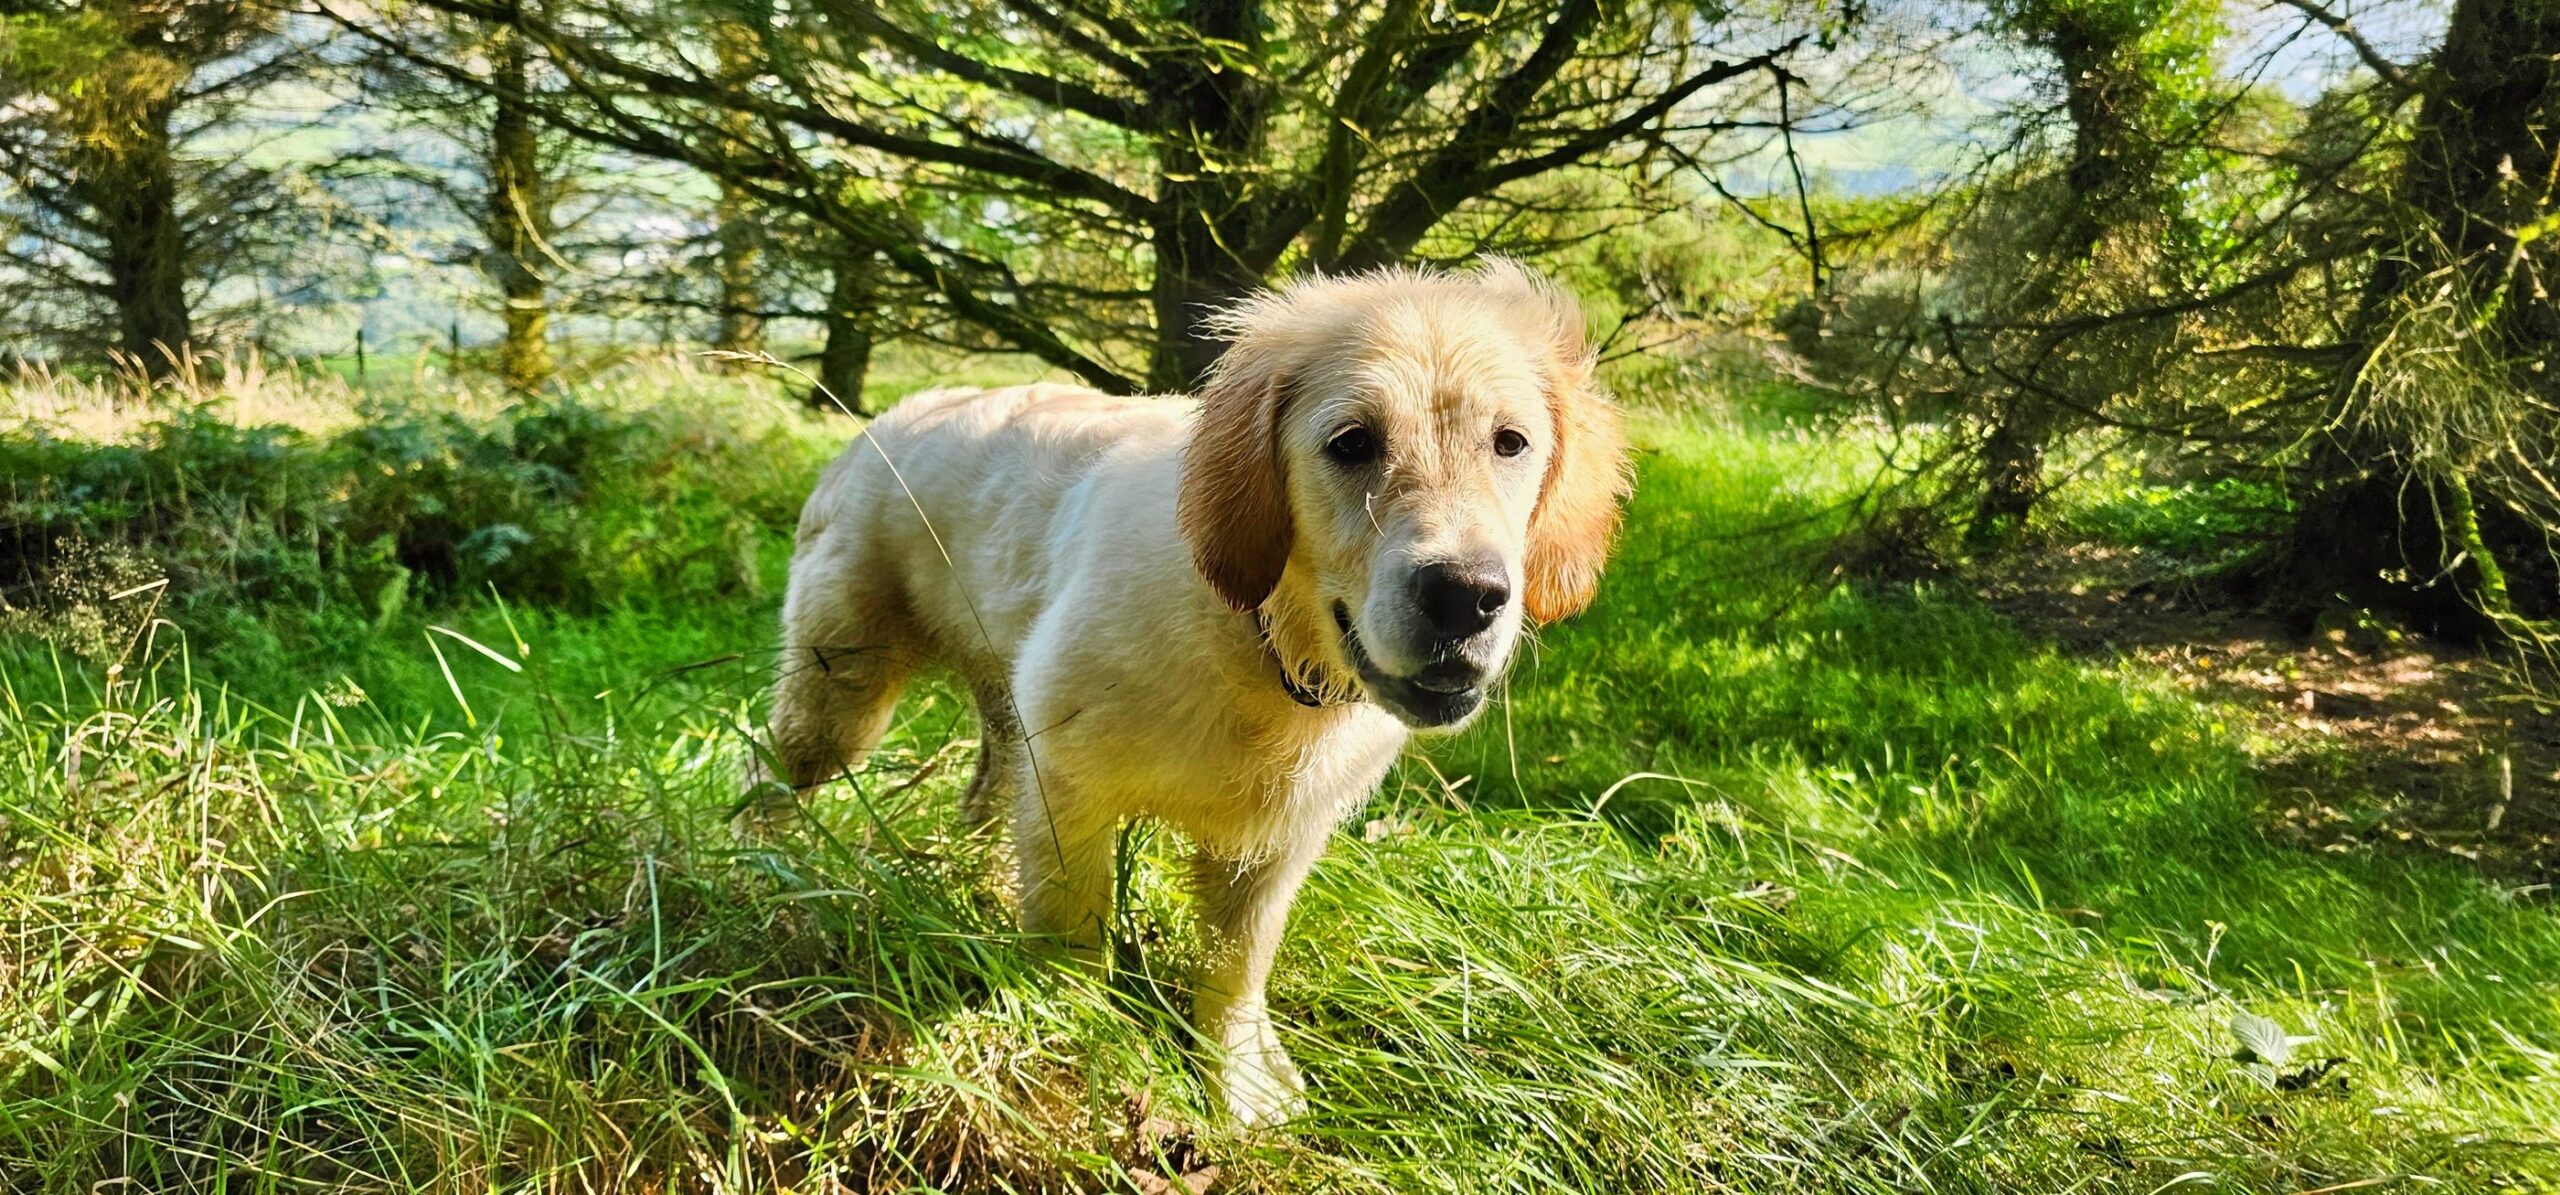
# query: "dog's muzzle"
[[1440, 693]]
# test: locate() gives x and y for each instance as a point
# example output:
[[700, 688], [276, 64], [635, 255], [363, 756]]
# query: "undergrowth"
[[1745, 885]]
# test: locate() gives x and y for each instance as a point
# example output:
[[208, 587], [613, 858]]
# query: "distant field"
[[394, 856]]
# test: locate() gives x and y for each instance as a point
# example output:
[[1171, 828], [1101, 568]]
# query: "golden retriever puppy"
[[1226, 614]]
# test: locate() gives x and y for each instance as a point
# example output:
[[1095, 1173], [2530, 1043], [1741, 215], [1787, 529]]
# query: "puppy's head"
[[1397, 468]]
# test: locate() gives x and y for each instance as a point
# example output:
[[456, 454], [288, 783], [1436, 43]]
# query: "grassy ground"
[[1743, 887]]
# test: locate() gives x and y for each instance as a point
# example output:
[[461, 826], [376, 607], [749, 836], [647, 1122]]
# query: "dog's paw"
[[1255, 1079]]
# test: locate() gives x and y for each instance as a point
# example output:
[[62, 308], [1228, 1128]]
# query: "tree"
[[521, 216], [737, 220], [851, 321], [2131, 79], [816, 276], [117, 213], [488, 157], [2355, 301], [2157, 253], [1190, 152], [738, 226], [2430, 485]]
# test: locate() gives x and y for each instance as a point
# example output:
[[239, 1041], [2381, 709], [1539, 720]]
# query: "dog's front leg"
[[1243, 908], [1062, 849]]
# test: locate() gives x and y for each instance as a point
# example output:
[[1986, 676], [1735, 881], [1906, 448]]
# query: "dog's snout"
[[1461, 597]]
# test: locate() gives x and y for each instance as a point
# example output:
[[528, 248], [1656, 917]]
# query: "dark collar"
[[1298, 690]]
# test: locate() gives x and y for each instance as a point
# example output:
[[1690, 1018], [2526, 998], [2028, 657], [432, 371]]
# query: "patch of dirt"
[[2369, 738]]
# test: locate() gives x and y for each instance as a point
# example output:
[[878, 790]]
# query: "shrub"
[[560, 503], [2187, 518]]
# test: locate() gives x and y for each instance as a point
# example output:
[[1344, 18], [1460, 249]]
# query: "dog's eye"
[[1509, 442], [1354, 445]]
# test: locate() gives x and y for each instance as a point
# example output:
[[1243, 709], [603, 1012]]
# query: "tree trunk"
[[741, 234], [851, 307], [2012, 464], [2382, 519], [134, 191], [2110, 175], [741, 328], [1212, 209], [519, 223]]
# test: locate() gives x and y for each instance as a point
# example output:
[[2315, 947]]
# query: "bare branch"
[[1046, 89], [2381, 64], [1460, 170]]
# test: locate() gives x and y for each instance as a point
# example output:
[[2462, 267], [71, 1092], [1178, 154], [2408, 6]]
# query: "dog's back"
[[932, 538], [956, 495]]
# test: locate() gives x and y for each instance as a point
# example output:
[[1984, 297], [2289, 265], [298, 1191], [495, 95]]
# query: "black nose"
[[1461, 597]]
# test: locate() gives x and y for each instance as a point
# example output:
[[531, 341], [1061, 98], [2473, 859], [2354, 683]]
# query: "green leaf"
[[2261, 1039]]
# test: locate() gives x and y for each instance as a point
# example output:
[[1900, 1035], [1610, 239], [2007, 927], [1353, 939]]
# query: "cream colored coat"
[[1100, 571]]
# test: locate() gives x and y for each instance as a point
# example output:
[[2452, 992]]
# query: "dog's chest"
[[1240, 786]]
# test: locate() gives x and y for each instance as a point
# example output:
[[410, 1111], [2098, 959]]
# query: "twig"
[[2390, 71]]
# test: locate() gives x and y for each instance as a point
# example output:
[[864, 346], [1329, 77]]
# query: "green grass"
[[1744, 887]]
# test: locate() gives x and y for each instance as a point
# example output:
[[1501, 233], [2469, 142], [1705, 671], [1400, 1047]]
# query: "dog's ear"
[[1577, 514], [1234, 503]]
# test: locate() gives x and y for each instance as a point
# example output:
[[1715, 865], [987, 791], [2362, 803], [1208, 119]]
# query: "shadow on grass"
[[1955, 759], [249, 945]]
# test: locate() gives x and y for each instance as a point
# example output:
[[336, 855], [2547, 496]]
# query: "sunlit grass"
[[1748, 885]]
